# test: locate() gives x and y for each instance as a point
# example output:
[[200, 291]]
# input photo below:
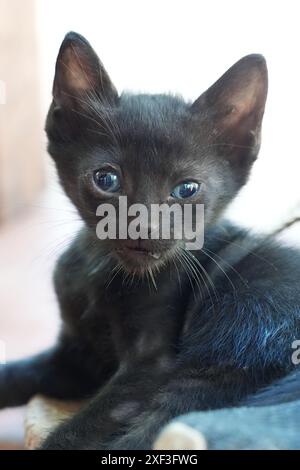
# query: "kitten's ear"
[[80, 73], [234, 106]]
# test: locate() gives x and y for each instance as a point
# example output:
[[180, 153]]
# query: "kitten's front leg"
[[188, 390], [58, 373], [109, 413], [130, 411]]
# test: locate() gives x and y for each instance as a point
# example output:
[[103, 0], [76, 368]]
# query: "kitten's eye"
[[107, 181], [185, 190]]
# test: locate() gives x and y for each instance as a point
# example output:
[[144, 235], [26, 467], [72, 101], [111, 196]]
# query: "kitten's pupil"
[[107, 181], [185, 190]]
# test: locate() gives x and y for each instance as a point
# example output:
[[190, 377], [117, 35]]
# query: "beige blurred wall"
[[21, 165]]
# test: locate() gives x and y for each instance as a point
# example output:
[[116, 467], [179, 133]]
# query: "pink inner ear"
[[246, 102], [75, 75], [236, 101], [249, 98]]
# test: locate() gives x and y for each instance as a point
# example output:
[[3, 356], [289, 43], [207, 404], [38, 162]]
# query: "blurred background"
[[151, 46]]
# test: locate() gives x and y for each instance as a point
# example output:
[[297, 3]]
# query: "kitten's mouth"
[[138, 251], [144, 252], [136, 255]]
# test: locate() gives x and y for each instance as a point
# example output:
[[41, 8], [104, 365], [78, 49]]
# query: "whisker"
[[182, 261], [197, 262], [219, 266], [245, 282], [152, 278], [247, 251]]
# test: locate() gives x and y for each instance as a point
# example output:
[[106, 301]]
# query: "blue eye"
[[185, 190], [107, 181]]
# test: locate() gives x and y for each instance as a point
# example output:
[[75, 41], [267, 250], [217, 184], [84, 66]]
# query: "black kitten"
[[221, 321]]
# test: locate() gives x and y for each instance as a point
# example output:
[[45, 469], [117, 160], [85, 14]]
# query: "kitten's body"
[[212, 326]]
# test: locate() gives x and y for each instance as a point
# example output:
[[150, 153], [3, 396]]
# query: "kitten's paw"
[[179, 436]]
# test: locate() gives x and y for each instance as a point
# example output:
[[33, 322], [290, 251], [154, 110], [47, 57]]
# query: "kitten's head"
[[151, 148]]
